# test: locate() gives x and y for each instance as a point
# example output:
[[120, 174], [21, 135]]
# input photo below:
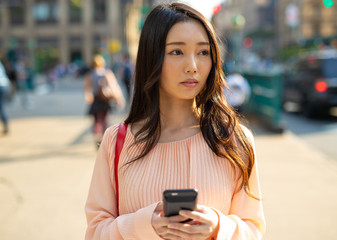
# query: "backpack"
[[127, 72], [104, 92]]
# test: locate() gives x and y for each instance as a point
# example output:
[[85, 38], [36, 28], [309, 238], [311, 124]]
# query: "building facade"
[[239, 20], [313, 20], [60, 31]]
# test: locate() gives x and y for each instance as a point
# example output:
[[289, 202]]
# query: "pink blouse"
[[188, 163]]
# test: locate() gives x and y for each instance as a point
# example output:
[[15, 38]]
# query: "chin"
[[191, 97]]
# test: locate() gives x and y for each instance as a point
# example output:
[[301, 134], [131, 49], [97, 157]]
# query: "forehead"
[[187, 31]]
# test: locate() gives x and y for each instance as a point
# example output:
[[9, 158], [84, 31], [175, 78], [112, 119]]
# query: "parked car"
[[311, 82]]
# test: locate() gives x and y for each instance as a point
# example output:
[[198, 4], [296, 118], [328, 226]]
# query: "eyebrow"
[[183, 43]]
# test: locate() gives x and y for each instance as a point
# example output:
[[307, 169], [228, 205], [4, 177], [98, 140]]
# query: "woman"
[[4, 89], [181, 134], [99, 108]]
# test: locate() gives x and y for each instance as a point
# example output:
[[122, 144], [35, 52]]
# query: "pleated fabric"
[[188, 163]]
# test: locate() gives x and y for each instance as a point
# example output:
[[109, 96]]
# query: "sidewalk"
[[299, 187], [46, 164], [45, 170]]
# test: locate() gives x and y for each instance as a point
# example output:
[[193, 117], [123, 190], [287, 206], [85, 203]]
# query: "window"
[[329, 67], [76, 43], [46, 12], [18, 47], [99, 10], [47, 42], [97, 44], [307, 30], [75, 11], [47, 54], [17, 15]]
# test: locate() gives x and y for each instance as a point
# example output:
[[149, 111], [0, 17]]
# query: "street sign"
[[292, 16], [115, 46]]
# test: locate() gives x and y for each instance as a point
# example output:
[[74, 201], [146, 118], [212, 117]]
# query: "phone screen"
[[177, 199]]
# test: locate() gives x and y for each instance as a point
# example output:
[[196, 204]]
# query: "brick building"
[[60, 31]]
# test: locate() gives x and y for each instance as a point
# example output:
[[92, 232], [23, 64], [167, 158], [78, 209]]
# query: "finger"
[[159, 206], [162, 231], [186, 235], [188, 228], [204, 215], [159, 221], [202, 209], [160, 209], [203, 231], [177, 218], [169, 236], [196, 216]]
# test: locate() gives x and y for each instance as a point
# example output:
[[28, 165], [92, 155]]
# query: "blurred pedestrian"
[[180, 134], [10, 71], [4, 90], [127, 74], [99, 76], [52, 77], [238, 91], [22, 75], [30, 79]]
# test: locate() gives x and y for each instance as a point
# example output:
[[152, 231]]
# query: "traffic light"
[[247, 42], [238, 20], [216, 9], [76, 3], [328, 3]]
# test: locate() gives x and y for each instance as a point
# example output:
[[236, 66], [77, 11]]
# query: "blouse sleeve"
[[246, 218], [101, 207]]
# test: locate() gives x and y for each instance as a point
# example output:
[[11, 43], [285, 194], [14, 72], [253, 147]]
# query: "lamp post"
[[328, 3], [292, 18], [238, 22]]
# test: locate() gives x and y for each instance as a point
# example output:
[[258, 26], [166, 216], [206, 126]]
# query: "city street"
[[320, 134], [47, 159]]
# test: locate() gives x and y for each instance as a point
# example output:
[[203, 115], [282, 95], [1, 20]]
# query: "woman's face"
[[187, 61]]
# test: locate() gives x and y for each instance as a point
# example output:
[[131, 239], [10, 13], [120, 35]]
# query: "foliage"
[[290, 51]]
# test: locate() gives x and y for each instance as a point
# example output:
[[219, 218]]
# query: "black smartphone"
[[178, 199]]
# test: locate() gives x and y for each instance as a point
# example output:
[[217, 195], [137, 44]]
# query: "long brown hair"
[[219, 124]]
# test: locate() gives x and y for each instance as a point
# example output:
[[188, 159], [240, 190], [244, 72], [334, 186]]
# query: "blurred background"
[[280, 59]]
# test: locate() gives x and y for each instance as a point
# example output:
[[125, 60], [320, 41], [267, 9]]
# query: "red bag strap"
[[119, 145]]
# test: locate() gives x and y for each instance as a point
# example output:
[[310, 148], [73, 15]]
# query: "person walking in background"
[[22, 75], [4, 90], [99, 108], [52, 77], [181, 133], [127, 74], [10, 71], [238, 91]]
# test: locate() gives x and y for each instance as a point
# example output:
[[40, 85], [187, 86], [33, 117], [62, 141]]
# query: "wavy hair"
[[219, 123]]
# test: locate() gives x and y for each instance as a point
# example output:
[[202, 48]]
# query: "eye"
[[204, 53], [176, 52]]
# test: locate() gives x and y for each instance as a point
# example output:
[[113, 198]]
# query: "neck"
[[177, 115]]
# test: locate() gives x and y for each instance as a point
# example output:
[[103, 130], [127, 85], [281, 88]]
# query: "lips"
[[189, 83]]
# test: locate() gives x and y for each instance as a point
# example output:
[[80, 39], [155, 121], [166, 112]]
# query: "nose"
[[191, 65]]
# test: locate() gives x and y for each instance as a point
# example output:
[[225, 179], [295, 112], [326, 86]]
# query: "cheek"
[[205, 72], [169, 67], [166, 75], [169, 73], [206, 69]]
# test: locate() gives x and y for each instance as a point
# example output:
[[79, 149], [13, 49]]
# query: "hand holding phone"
[[177, 199], [173, 202]]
